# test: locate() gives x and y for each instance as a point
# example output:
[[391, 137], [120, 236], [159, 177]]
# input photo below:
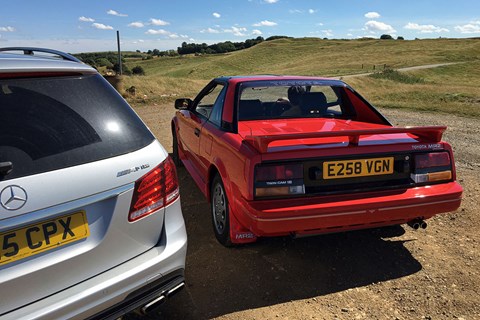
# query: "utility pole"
[[119, 54]]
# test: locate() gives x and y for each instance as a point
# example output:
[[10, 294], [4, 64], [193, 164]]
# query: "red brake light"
[[282, 172], [279, 180], [433, 159], [155, 190]]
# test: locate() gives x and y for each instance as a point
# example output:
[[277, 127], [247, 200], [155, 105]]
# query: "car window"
[[58, 122], [216, 114], [277, 100], [205, 105]]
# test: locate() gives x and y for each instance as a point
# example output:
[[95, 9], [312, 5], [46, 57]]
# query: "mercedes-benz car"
[[90, 218]]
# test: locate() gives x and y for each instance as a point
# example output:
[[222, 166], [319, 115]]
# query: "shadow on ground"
[[276, 270]]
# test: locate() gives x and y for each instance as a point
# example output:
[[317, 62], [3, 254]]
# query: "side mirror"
[[182, 104]]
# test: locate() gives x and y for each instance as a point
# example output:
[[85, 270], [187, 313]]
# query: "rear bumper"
[[123, 288], [325, 214]]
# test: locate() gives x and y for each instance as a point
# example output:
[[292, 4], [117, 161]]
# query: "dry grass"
[[451, 89]]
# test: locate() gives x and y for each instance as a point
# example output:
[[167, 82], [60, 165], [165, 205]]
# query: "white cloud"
[[159, 31], [376, 26], [311, 11], [216, 15], [236, 31], [328, 33], [173, 36], [101, 26], [295, 11], [271, 1], [209, 30], [265, 23], [158, 22], [424, 28], [136, 24], [7, 29], [256, 32], [85, 19], [115, 13], [372, 15], [472, 27], [319, 24]]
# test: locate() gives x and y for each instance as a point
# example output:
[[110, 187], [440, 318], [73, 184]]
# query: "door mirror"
[[182, 104]]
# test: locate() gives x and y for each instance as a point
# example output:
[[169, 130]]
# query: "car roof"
[[12, 60], [240, 79]]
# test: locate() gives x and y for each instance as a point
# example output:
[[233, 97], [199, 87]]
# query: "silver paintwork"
[[82, 278]]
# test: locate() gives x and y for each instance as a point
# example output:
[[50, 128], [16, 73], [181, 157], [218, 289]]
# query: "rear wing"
[[431, 134]]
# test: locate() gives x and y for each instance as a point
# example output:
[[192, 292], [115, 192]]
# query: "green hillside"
[[313, 56], [450, 89]]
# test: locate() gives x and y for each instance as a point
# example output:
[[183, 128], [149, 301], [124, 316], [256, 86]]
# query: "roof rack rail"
[[31, 50]]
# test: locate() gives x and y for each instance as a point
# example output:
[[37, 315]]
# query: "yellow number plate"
[[357, 168], [25, 242]]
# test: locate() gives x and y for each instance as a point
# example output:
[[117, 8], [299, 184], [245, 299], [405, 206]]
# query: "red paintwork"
[[234, 156]]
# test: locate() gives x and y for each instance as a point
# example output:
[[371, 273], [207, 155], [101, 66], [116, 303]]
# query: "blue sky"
[[88, 25]]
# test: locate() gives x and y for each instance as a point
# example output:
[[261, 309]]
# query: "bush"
[[125, 69], [138, 70]]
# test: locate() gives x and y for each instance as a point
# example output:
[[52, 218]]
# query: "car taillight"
[[431, 167], [279, 180], [155, 190]]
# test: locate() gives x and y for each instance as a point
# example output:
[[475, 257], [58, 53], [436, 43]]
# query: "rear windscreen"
[[58, 122]]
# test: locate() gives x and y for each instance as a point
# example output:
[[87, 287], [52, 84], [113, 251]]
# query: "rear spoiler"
[[431, 134]]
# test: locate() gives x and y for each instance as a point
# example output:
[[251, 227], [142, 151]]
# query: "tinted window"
[[205, 105], [216, 114], [53, 123], [270, 99]]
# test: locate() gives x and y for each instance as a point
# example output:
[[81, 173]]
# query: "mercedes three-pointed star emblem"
[[13, 197]]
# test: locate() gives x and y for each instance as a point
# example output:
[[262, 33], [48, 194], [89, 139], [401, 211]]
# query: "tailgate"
[[74, 226]]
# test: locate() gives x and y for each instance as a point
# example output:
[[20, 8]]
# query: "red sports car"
[[290, 155]]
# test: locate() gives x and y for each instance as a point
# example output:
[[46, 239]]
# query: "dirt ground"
[[390, 273]]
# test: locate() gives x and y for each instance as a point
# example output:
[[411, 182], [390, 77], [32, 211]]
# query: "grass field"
[[450, 89]]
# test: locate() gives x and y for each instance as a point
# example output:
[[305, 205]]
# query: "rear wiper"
[[5, 168]]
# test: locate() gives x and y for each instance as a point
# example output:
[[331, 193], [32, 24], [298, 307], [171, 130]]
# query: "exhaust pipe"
[[423, 224], [156, 302], [153, 304], [417, 224]]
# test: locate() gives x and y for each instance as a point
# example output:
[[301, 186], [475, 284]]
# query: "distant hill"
[[313, 56]]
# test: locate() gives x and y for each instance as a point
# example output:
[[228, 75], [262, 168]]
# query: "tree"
[[125, 69], [104, 62], [400, 38], [386, 37]]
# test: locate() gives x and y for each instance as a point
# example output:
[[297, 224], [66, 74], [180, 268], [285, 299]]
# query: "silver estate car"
[[90, 220]]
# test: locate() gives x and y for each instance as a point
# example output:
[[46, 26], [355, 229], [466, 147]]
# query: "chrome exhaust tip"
[[153, 304], [417, 224], [156, 302]]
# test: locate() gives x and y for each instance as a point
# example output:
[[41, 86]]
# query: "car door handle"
[[197, 132]]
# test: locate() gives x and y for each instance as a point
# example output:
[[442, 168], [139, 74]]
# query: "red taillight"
[[155, 190], [279, 180], [432, 167], [282, 172], [433, 159]]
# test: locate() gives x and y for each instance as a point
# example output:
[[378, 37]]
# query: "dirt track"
[[393, 273]]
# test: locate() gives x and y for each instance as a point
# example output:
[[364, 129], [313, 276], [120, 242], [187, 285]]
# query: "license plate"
[[357, 168], [28, 241]]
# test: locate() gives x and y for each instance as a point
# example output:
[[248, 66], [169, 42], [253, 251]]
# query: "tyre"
[[220, 212], [175, 156]]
